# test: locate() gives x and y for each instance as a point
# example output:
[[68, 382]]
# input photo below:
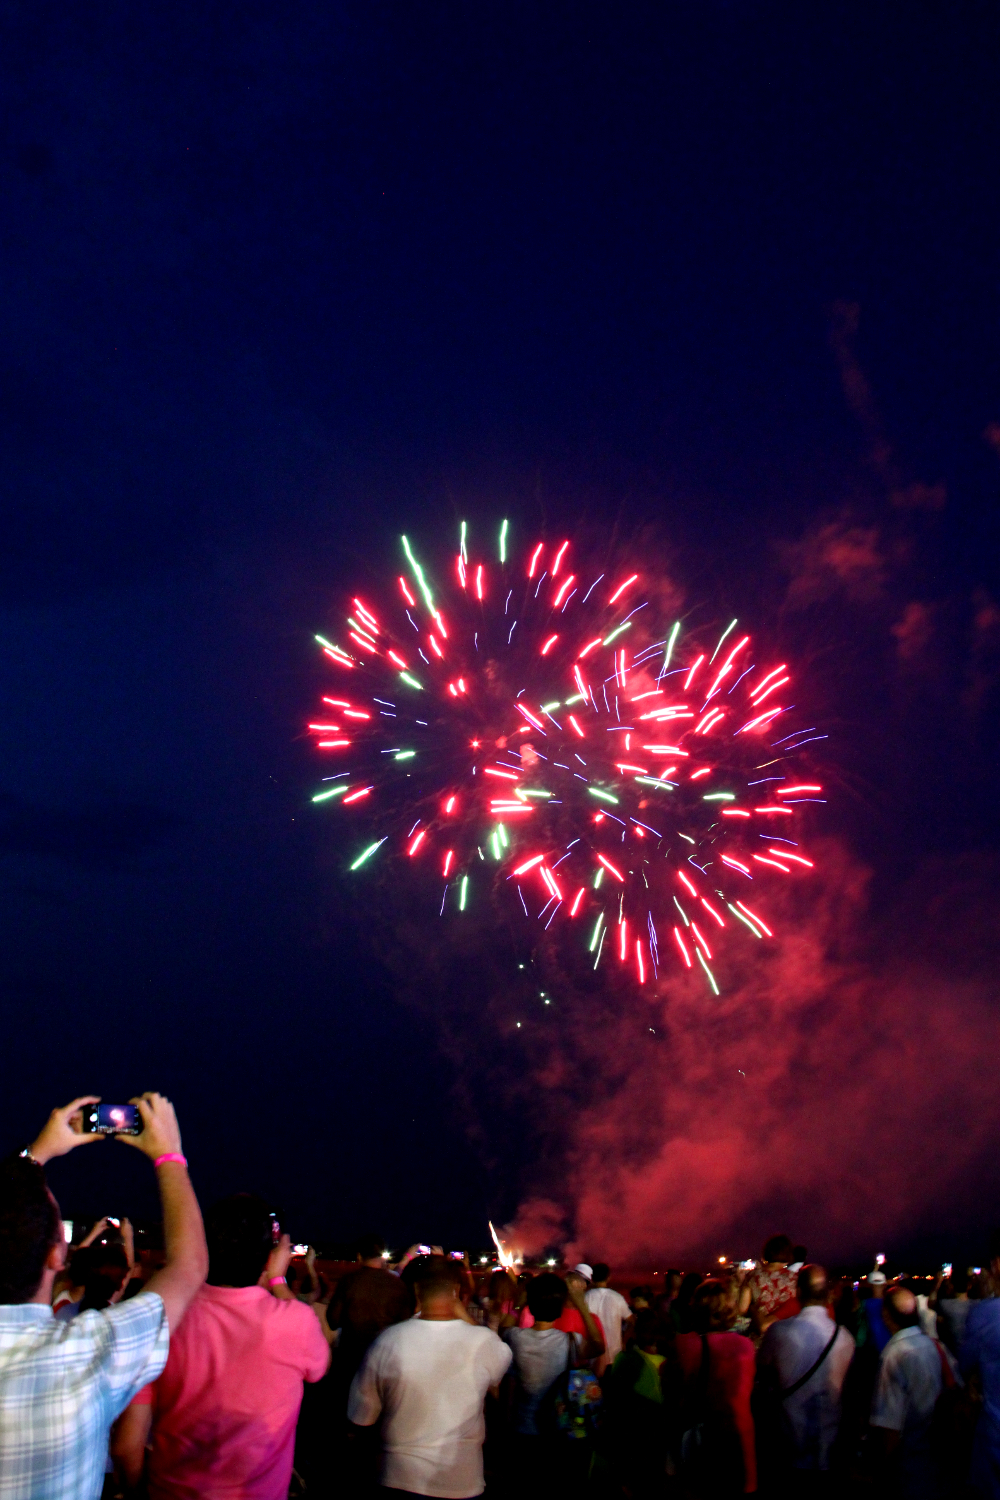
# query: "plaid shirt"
[[61, 1387]]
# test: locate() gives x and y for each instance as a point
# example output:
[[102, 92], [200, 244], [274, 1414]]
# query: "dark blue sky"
[[278, 283]]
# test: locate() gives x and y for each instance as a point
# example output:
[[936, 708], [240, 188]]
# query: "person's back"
[[427, 1378], [772, 1284], [223, 1412], [980, 1354], [718, 1388], [62, 1384], [791, 1349], [366, 1301], [878, 1333], [611, 1308], [953, 1310], [910, 1380], [635, 1429]]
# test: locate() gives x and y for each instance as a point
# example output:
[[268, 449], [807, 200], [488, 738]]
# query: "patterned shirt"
[[772, 1288], [61, 1387]]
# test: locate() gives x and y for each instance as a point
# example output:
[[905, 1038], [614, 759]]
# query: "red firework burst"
[[613, 775]]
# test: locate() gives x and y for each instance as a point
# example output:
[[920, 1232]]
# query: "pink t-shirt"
[[226, 1405]]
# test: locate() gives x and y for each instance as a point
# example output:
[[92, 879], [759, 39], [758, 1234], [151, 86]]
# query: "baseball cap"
[[587, 1272], [876, 1278]]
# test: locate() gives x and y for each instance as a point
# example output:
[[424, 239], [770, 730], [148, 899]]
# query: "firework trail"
[[538, 734]]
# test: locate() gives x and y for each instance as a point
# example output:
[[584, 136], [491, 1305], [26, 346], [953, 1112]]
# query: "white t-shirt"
[[613, 1311], [429, 1378]]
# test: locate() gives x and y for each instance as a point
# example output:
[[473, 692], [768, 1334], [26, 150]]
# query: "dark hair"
[[437, 1276], [371, 1247], [78, 1266], [712, 1306], [778, 1247], [547, 1297], [104, 1273], [959, 1280], [240, 1236], [648, 1329], [690, 1283], [601, 1271], [29, 1226]]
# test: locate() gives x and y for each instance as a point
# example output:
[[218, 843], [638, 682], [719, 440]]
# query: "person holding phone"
[[63, 1384], [220, 1420]]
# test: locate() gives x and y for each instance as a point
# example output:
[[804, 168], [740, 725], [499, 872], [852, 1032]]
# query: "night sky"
[[280, 282]]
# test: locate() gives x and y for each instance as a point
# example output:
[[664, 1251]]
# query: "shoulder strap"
[[803, 1379], [703, 1370], [947, 1378]]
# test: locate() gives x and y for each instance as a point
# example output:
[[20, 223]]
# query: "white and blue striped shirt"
[[61, 1387]]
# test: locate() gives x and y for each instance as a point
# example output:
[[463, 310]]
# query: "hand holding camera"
[[160, 1134], [63, 1131]]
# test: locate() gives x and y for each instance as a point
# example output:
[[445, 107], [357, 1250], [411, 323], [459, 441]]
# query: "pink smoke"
[[839, 1083]]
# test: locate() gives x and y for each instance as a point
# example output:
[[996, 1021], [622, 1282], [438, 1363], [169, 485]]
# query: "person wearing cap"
[[872, 1307], [612, 1310]]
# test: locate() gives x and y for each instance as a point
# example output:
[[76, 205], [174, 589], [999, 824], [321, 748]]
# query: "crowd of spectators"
[[237, 1371]]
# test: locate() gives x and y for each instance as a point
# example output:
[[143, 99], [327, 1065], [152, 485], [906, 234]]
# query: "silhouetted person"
[[716, 1368], [980, 1353], [953, 1307], [365, 1302]]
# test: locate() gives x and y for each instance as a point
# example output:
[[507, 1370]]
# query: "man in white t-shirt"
[[610, 1308], [428, 1378]]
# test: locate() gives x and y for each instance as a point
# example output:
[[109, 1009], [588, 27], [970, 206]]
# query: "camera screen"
[[118, 1117]]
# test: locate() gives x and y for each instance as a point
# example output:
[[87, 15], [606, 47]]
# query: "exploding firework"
[[538, 733]]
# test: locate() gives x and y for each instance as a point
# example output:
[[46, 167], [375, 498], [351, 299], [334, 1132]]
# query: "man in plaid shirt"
[[63, 1384]]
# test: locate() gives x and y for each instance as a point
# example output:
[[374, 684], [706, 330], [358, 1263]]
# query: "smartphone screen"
[[112, 1119]]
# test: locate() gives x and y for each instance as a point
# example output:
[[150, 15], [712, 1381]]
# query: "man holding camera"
[[63, 1384]]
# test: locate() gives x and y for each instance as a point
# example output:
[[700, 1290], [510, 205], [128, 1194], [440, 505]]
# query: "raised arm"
[[94, 1234], [595, 1343], [186, 1263]]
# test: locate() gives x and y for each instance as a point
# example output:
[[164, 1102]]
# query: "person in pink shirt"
[[220, 1420]]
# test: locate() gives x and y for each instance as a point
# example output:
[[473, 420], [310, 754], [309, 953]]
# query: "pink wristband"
[[171, 1156], [277, 1281]]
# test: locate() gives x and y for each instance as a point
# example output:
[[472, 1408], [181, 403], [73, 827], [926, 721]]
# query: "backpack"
[[571, 1407]]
